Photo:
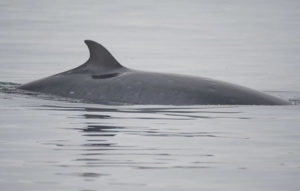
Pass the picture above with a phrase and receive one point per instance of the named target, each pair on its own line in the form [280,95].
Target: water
[49,143]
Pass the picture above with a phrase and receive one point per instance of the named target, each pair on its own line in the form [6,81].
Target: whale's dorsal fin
[100,62]
[100,59]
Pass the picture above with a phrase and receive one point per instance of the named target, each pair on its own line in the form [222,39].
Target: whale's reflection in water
[141,138]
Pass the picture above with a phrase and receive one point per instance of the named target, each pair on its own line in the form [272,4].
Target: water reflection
[84,174]
[139,138]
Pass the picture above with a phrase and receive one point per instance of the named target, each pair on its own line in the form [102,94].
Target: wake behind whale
[103,80]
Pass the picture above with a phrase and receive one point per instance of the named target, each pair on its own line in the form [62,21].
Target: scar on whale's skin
[102,79]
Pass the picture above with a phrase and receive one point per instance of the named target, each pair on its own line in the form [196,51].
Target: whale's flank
[101,79]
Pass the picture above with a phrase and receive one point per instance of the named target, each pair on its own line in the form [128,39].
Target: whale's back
[103,80]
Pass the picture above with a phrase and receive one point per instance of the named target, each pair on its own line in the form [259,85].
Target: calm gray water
[48,143]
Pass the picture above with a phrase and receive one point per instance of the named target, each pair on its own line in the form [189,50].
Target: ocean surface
[50,143]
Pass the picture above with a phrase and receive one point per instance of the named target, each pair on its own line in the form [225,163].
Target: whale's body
[103,80]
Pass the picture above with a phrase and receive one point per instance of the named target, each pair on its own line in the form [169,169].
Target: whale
[103,80]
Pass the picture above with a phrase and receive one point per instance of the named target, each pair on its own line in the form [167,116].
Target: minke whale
[102,79]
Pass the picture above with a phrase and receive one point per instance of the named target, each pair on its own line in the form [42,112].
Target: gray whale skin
[103,80]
